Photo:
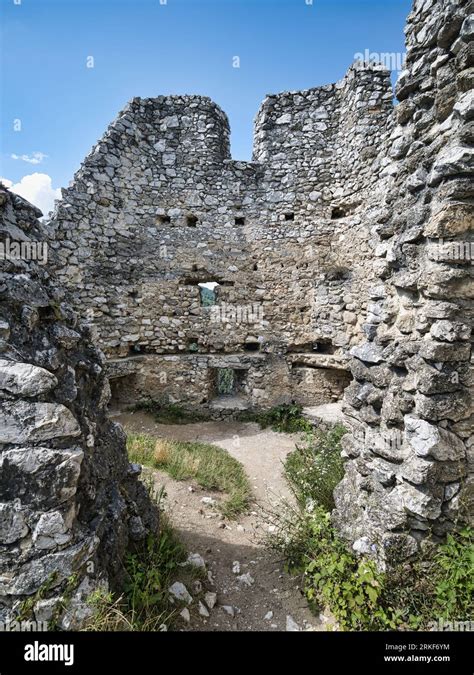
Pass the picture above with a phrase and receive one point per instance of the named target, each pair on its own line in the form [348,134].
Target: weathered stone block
[450,331]
[417,502]
[450,221]
[55,567]
[440,407]
[23,422]
[25,379]
[429,440]
[13,525]
[449,353]
[40,477]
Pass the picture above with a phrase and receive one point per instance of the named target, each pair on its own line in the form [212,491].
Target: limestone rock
[179,592]
[24,422]
[12,522]
[65,490]
[429,440]
[210,599]
[25,379]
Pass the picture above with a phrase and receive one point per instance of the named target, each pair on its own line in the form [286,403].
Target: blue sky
[153,47]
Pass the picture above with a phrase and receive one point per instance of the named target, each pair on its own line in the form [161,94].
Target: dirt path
[268,599]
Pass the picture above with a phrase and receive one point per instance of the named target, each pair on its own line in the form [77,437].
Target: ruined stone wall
[158,206]
[411,461]
[70,502]
[336,240]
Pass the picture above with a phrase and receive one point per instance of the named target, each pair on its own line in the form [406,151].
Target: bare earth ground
[273,601]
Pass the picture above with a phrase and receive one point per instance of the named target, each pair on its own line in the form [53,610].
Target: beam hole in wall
[164,220]
[239,220]
[191,221]
[208,293]
[47,313]
[289,216]
[300,348]
[338,274]
[252,346]
[324,347]
[320,346]
[338,212]
[138,349]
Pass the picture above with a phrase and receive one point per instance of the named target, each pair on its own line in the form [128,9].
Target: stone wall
[159,206]
[411,461]
[70,502]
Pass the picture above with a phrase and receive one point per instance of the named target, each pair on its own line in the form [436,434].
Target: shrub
[150,573]
[284,418]
[316,467]
[455,579]
[437,584]
[351,587]
[168,413]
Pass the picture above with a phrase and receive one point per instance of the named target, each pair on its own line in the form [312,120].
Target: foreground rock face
[411,456]
[67,491]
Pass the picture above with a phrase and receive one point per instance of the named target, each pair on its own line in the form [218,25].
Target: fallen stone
[195,560]
[246,579]
[291,625]
[210,599]
[197,586]
[209,501]
[179,592]
[185,614]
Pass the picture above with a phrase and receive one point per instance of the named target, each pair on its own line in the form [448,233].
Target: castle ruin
[334,267]
[159,207]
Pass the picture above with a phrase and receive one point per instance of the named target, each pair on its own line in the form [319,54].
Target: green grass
[283,418]
[211,467]
[145,603]
[168,413]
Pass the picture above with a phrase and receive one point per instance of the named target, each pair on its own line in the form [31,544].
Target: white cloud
[35,158]
[37,188]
